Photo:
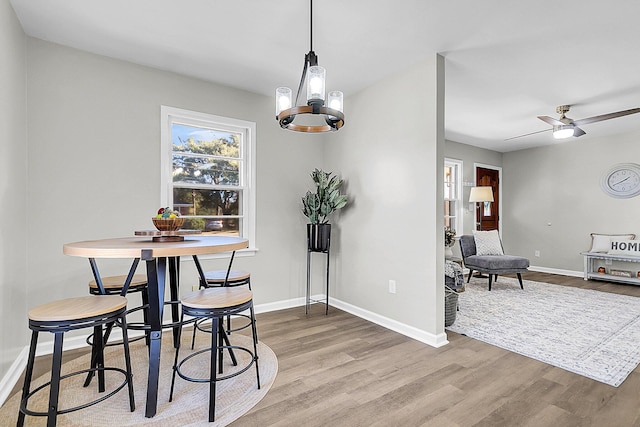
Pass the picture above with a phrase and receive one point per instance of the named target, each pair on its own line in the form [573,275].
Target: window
[208,172]
[453,194]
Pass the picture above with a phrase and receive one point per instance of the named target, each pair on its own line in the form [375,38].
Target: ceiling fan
[565,127]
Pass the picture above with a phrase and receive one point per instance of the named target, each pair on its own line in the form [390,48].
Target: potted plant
[449,241]
[319,206]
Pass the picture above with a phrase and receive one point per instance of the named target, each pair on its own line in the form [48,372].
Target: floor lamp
[480,195]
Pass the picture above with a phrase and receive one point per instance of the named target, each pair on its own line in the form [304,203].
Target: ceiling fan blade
[526,134]
[605,117]
[577,131]
[551,121]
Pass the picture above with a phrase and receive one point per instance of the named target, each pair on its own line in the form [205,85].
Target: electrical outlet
[537,253]
[392,286]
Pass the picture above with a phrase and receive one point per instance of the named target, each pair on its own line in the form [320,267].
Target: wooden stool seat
[218,277]
[217,297]
[77,308]
[117,282]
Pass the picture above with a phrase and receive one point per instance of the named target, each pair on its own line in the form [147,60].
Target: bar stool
[66,315]
[114,285]
[214,304]
[222,278]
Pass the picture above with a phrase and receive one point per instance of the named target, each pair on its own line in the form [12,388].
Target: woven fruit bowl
[168,224]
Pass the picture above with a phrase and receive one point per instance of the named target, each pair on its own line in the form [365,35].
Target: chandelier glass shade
[317,115]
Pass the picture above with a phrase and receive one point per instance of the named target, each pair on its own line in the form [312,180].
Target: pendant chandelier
[315,116]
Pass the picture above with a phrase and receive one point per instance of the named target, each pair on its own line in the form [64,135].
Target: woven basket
[168,224]
[450,306]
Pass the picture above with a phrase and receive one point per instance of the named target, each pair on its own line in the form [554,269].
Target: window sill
[248,252]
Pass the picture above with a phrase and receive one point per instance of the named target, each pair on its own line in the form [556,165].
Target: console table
[590,267]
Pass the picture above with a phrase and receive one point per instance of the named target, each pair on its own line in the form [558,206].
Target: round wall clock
[622,181]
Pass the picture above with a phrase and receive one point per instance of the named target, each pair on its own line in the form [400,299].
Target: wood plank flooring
[340,370]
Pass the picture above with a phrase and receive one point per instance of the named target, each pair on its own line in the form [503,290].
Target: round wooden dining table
[157,255]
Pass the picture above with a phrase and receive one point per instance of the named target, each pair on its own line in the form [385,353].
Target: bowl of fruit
[167,220]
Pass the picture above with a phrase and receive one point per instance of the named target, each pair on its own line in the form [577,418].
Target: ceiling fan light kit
[315,116]
[562,131]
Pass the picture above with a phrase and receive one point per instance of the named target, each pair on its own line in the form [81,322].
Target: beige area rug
[587,332]
[190,404]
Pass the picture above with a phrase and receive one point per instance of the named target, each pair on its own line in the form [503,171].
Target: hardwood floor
[340,370]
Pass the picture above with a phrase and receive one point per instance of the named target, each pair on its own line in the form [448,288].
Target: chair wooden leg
[490,279]
[469,276]
[520,280]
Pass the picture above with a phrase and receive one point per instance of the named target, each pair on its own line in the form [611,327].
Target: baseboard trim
[557,271]
[13,375]
[438,340]
[280,305]
[404,329]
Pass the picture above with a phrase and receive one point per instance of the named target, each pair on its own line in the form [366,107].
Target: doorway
[488,213]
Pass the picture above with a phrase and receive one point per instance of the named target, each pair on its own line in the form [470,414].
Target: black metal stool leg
[127,361]
[99,363]
[175,361]
[225,338]
[27,377]
[54,390]
[254,332]
[213,377]
[145,314]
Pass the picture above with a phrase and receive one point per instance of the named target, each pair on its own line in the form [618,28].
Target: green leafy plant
[327,199]
[449,236]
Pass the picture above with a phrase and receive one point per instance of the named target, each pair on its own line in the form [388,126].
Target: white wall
[390,154]
[93,155]
[553,200]
[94,152]
[13,186]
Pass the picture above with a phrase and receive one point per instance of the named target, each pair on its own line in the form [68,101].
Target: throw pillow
[625,247]
[488,242]
[602,242]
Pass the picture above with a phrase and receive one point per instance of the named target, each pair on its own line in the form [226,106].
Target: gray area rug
[190,404]
[591,333]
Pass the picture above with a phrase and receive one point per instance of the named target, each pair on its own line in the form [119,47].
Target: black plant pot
[318,237]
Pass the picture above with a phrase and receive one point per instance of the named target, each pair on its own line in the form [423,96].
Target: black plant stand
[314,235]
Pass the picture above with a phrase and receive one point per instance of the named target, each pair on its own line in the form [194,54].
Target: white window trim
[249,170]
[459,208]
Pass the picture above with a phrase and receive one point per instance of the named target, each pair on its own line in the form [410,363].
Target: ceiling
[506,62]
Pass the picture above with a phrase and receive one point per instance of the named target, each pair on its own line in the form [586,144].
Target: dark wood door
[487,213]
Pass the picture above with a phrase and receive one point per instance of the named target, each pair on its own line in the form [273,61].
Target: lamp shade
[283,99]
[315,84]
[335,100]
[481,194]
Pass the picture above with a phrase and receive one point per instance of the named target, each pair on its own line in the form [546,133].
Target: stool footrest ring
[27,411]
[254,358]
